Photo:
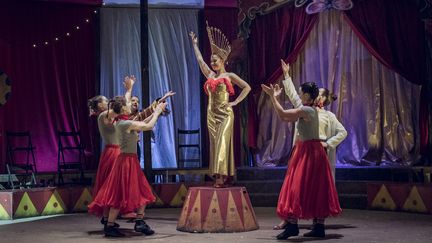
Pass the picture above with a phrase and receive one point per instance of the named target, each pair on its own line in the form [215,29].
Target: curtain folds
[394,34]
[172,67]
[279,35]
[378,107]
[52,81]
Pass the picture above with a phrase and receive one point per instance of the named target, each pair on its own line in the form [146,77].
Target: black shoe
[290,230]
[317,231]
[104,222]
[141,226]
[111,231]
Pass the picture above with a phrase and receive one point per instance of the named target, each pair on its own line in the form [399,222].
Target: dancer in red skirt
[98,106]
[308,191]
[126,189]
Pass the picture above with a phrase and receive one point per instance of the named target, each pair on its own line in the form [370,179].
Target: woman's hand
[324,144]
[277,90]
[268,90]
[272,91]
[166,96]
[285,69]
[193,38]
[160,108]
[129,82]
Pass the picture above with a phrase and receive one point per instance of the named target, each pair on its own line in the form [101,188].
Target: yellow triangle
[159,201]
[182,220]
[179,198]
[233,222]
[83,201]
[55,205]
[213,221]
[193,220]
[415,202]
[249,218]
[3,213]
[383,199]
[25,208]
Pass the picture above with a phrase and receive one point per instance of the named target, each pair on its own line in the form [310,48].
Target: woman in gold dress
[220,115]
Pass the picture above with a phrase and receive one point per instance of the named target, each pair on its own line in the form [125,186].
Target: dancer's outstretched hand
[129,81]
[166,96]
[285,69]
[160,108]
[271,90]
[277,90]
[193,37]
[267,89]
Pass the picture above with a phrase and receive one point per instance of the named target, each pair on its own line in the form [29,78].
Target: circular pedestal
[217,210]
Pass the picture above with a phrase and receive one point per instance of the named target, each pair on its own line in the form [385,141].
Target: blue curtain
[172,67]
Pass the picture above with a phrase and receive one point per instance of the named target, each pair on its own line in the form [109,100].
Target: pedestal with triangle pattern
[217,210]
[30,202]
[409,197]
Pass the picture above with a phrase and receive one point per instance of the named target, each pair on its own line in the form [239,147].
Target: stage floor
[352,226]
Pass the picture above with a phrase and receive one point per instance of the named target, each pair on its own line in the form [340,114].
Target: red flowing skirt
[106,162]
[308,190]
[126,187]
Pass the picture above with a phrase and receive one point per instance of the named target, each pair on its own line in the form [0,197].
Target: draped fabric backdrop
[275,36]
[378,107]
[172,67]
[50,83]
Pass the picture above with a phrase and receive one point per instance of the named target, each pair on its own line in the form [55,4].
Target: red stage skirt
[126,187]
[308,190]
[106,162]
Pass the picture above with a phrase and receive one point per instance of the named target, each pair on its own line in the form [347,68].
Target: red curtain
[275,36]
[50,82]
[220,3]
[394,33]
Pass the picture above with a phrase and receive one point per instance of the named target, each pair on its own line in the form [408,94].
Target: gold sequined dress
[220,123]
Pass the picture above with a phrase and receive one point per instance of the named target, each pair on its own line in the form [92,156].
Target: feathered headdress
[218,42]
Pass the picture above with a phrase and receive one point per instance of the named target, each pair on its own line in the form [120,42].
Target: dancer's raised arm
[128,83]
[289,87]
[289,115]
[207,72]
[147,126]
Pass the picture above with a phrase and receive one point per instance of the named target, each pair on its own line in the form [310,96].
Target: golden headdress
[218,42]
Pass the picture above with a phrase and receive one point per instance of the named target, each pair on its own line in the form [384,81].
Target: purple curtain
[275,36]
[393,32]
[50,82]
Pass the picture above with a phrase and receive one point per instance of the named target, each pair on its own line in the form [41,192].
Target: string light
[77,27]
